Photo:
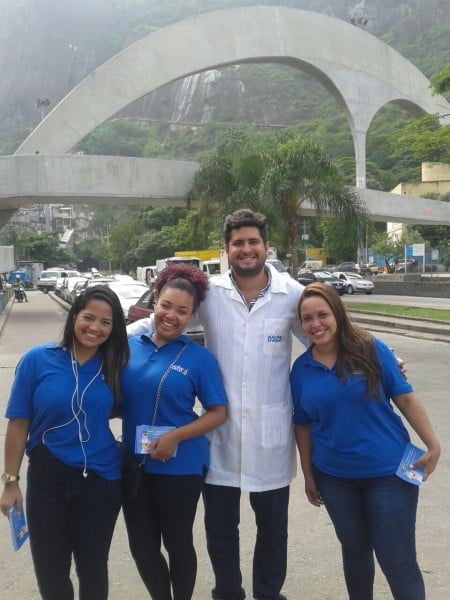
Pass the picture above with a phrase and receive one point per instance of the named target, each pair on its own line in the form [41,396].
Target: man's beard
[249,271]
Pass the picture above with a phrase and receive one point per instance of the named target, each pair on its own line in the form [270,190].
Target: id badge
[148,433]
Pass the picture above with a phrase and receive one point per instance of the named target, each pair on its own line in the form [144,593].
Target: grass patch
[401,311]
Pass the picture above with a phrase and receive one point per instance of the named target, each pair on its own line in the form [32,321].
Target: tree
[440,82]
[425,138]
[37,246]
[392,251]
[299,172]
[275,176]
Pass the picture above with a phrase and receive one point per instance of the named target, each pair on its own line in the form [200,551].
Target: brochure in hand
[18,525]
[405,469]
[148,433]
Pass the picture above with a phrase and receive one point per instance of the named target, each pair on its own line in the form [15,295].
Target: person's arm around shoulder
[140,327]
[15,441]
[414,412]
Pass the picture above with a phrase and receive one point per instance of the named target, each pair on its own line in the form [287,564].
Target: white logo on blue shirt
[180,369]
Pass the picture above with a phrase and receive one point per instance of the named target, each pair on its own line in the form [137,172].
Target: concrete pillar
[359,140]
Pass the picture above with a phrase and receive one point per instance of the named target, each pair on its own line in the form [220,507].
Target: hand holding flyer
[18,525]
[148,433]
[406,470]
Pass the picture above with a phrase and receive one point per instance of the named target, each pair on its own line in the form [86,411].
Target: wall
[414,286]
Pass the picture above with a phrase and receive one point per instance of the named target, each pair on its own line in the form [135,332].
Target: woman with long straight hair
[351,441]
[62,398]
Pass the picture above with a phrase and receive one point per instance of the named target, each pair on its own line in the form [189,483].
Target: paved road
[314,569]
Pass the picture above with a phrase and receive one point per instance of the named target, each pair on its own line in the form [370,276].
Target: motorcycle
[19,294]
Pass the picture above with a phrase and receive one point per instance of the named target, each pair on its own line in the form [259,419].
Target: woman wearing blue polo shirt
[351,442]
[61,401]
[165,375]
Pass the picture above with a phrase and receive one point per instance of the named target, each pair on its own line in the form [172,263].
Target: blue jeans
[222,516]
[378,515]
[70,514]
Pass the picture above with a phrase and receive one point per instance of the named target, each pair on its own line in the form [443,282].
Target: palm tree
[275,176]
[300,171]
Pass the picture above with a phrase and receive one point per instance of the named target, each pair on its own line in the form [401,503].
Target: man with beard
[248,317]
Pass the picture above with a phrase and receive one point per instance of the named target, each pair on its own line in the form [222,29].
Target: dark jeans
[378,515]
[222,516]
[70,514]
[165,510]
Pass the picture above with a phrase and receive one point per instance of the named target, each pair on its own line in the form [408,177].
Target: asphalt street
[314,565]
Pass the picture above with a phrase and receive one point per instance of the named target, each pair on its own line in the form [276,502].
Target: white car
[68,285]
[354,283]
[128,292]
[279,267]
[59,284]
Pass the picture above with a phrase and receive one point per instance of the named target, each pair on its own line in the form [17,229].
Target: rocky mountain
[47,47]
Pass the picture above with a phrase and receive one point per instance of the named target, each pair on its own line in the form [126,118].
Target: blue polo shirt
[353,435]
[195,374]
[43,392]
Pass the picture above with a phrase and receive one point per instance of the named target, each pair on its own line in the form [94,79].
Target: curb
[412,330]
[4,315]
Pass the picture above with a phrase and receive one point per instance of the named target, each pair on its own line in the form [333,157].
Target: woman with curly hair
[165,375]
[351,442]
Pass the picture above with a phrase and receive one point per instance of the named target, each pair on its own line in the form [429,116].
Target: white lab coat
[254,449]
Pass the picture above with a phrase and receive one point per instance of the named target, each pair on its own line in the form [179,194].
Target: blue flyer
[18,525]
[405,469]
[146,434]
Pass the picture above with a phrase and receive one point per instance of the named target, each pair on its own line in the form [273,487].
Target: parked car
[279,267]
[411,266]
[347,267]
[323,277]
[47,279]
[67,286]
[96,281]
[372,269]
[144,307]
[127,292]
[354,283]
[60,282]
[352,267]
[78,287]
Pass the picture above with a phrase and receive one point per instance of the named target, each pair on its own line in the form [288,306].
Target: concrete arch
[362,72]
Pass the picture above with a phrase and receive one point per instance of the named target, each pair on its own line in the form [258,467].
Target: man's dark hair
[244,217]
